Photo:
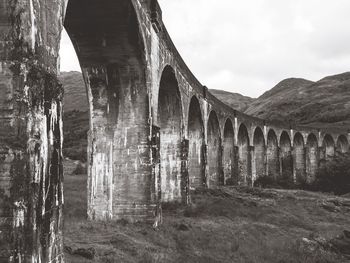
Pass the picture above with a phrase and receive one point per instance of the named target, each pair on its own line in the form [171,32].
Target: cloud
[249,46]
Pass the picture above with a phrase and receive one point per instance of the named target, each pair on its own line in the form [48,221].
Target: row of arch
[221,159]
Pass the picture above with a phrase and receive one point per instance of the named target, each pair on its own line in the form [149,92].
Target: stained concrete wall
[153,134]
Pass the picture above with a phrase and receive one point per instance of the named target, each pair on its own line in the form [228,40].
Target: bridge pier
[31,172]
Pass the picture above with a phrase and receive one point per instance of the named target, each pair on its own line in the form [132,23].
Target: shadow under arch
[342,144]
[327,152]
[299,158]
[170,123]
[196,151]
[244,158]
[272,155]
[107,38]
[311,158]
[228,151]
[259,155]
[286,158]
[214,151]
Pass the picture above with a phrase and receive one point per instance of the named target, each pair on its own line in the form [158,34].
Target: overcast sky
[248,46]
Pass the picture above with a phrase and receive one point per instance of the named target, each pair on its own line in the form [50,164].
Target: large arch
[299,159]
[169,119]
[311,158]
[327,151]
[272,166]
[214,151]
[228,150]
[286,156]
[342,144]
[196,164]
[109,44]
[244,163]
[259,155]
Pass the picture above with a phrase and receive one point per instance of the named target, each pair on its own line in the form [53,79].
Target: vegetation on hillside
[321,104]
[234,100]
[228,225]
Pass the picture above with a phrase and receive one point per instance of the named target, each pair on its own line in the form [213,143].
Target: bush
[80,169]
[334,176]
[284,182]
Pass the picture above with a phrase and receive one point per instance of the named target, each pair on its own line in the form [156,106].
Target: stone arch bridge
[155,130]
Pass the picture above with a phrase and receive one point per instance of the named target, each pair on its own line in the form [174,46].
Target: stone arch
[228,150]
[272,155]
[259,154]
[299,158]
[214,151]
[328,148]
[196,165]
[170,123]
[244,163]
[286,158]
[311,158]
[342,144]
[108,40]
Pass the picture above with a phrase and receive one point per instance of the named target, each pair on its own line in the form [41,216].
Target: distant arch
[299,159]
[244,164]
[214,151]
[272,156]
[259,160]
[328,148]
[342,144]
[169,119]
[228,150]
[196,145]
[286,158]
[311,158]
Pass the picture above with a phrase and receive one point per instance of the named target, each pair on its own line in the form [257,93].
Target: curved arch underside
[214,152]
[299,159]
[272,155]
[169,111]
[196,165]
[106,36]
[286,157]
[342,144]
[328,149]
[228,151]
[311,158]
[259,155]
[244,157]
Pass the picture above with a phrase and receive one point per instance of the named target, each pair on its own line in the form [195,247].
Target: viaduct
[155,132]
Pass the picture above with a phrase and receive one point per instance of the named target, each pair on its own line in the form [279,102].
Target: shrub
[334,176]
[284,182]
[80,169]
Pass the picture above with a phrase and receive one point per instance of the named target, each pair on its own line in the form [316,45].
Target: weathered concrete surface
[156,133]
[31,193]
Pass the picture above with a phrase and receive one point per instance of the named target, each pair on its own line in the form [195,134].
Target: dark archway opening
[196,164]
[259,156]
[214,152]
[169,112]
[328,149]
[244,159]
[273,167]
[228,151]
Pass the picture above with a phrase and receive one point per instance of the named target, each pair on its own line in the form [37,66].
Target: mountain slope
[234,100]
[322,103]
[74,88]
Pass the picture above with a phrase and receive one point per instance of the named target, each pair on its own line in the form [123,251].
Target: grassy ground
[228,225]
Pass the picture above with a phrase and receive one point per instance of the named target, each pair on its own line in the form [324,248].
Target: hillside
[231,224]
[322,103]
[234,100]
[75,94]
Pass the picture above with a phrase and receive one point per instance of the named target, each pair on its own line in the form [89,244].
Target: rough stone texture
[155,131]
[30,132]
